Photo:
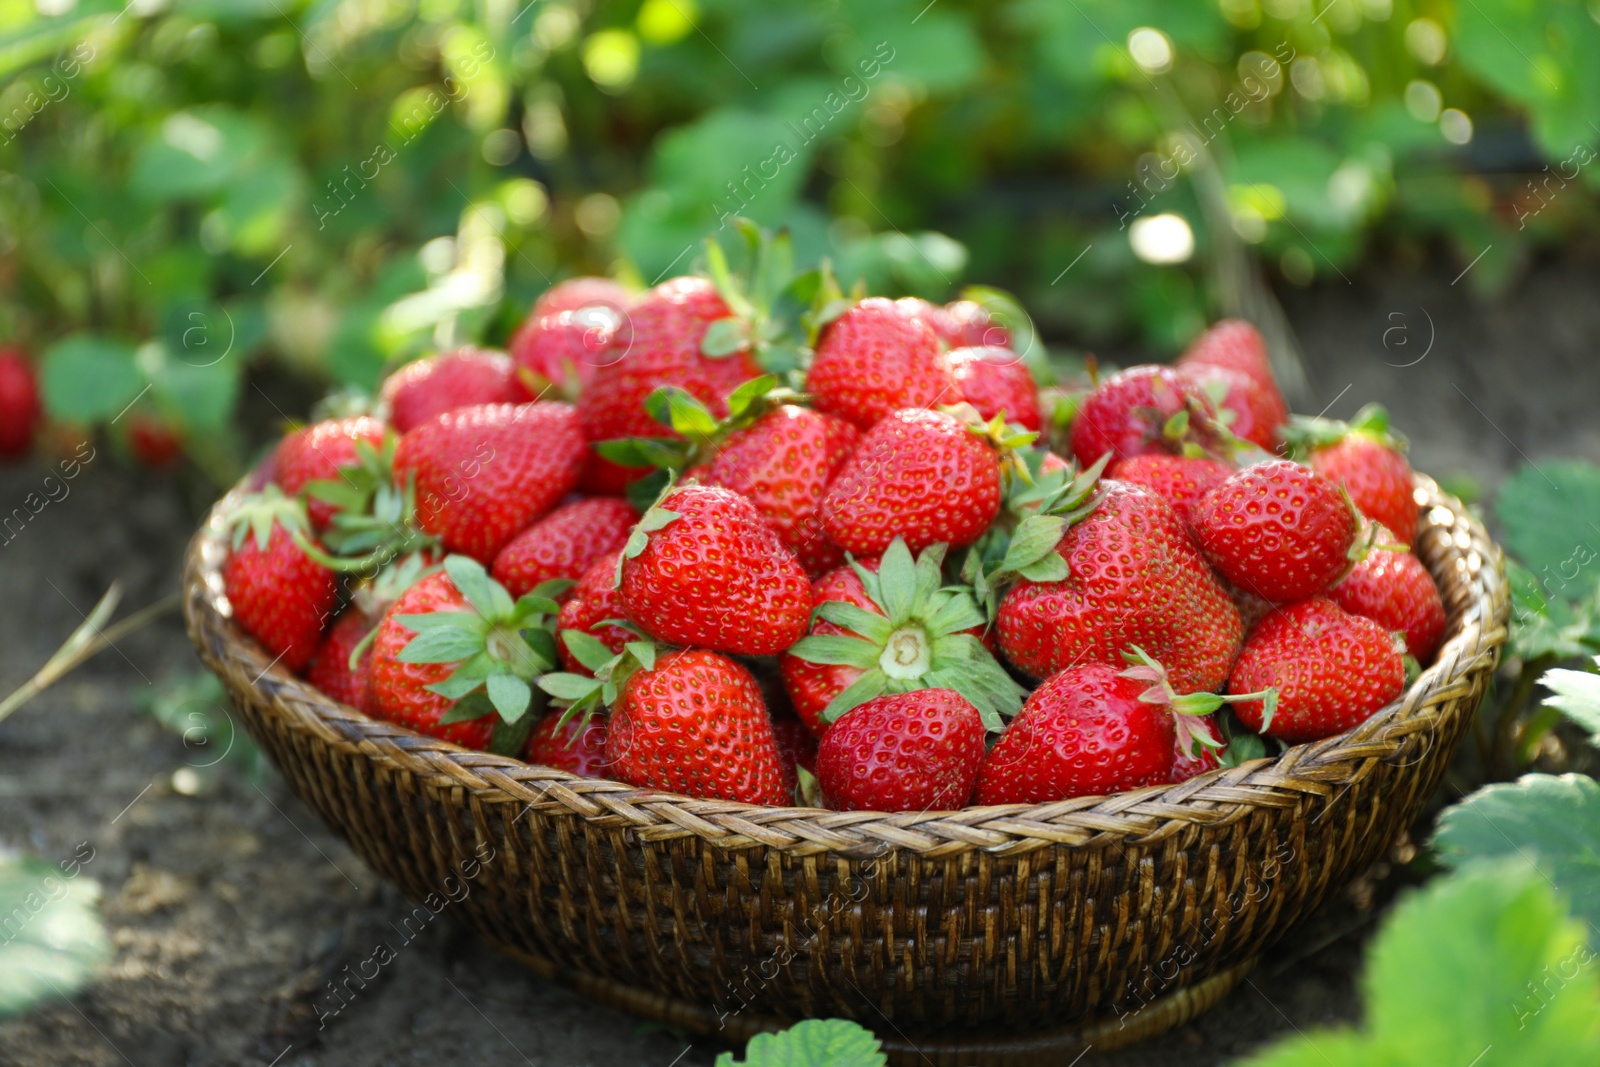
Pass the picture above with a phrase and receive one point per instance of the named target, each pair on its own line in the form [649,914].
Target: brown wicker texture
[987,935]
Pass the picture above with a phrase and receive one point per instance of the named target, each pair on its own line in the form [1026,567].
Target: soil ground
[231,908]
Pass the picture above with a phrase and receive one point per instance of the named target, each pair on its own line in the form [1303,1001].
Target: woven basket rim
[1476,597]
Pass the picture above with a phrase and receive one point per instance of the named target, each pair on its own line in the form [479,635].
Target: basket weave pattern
[999,920]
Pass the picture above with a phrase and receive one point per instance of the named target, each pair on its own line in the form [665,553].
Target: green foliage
[1548,513]
[812,1043]
[1548,820]
[342,185]
[195,707]
[52,941]
[1481,968]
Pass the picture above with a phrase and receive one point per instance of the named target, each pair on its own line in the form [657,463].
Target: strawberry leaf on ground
[1576,694]
[1550,821]
[1547,513]
[1481,968]
[1551,625]
[54,940]
[812,1043]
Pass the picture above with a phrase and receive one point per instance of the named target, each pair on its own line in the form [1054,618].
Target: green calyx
[257,513]
[501,647]
[584,696]
[699,433]
[919,641]
[376,521]
[1040,512]
[1187,706]
[1305,434]
[768,300]
[655,518]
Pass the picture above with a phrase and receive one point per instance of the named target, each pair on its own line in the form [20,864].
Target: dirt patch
[232,910]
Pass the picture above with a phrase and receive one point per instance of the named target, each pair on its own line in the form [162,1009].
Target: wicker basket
[989,935]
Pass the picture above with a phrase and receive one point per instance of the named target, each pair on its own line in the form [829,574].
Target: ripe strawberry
[580,292]
[323,452]
[918,474]
[576,746]
[1181,480]
[1331,670]
[280,595]
[1250,411]
[797,747]
[936,318]
[154,443]
[915,751]
[593,601]
[658,343]
[1083,732]
[484,473]
[873,360]
[20,410]
[995,380]
[892,625]
[564,543]
[1235,345]
[1277,529]
[330,670]
[782,464]
[459,378]
[1191,757]
[1133,578]
[974,326]
[564,351]
[1394,589]
[693,722]
[1140,410]
[703,568]
[454,657]
[1367,459]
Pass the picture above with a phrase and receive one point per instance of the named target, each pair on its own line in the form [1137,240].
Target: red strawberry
[658,343]
[974,326]
[1277,529]
[594,600]
[873,360]
[484,473]
[694,723]
[577,746]
[1331,670]
[1192,758]
[995,380]
[564,351]
[330,670]
[1251,411]
[454,656]
[703,568]
[892,625]
[1181,480]
[1394,589]
[20,410]
[323,451]
[154,443]
[1236,345]
[797,747]
[565,543]
[1137,410]
[460,378]
[581,292]
[782,464]
[915,751]
[1376,475]
[933,316]
[918,474]
[1133,578]
[280,595]
[1083,732]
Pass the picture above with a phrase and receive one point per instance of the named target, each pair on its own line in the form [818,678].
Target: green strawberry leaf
[1481,968]
[897,582]
[724,337]
[868,624]
[474,705]
[425,622]
[442,645]
[1547,512]
[644,652]
[569,687]
[1576,694]
[473,582]
[807,790]
[812,1043]
[682,411]
[1035,539]
[872,683]
[55,941]
[1047,568]
[838,650]
[742,398]
[509,738]
[510,695]
[1552,822]
[663,452]
[586,648]
[953,614]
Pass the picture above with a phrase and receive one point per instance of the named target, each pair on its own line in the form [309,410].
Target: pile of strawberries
[758,541]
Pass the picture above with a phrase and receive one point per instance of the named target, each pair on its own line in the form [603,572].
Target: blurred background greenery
[189,188]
